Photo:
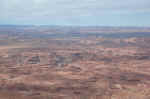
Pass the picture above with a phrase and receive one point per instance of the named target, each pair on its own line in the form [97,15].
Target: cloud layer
[73,11]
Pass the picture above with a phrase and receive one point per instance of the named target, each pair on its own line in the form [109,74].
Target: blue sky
[76,12]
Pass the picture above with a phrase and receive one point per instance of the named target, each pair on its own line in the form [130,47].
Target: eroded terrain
[74,67]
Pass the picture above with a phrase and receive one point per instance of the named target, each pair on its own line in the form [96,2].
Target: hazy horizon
[100,26]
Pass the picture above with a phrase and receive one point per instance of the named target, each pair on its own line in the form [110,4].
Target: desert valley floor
[74,63]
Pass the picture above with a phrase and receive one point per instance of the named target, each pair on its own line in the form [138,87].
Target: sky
[76,12]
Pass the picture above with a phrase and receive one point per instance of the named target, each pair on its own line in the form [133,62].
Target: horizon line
[74,25]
